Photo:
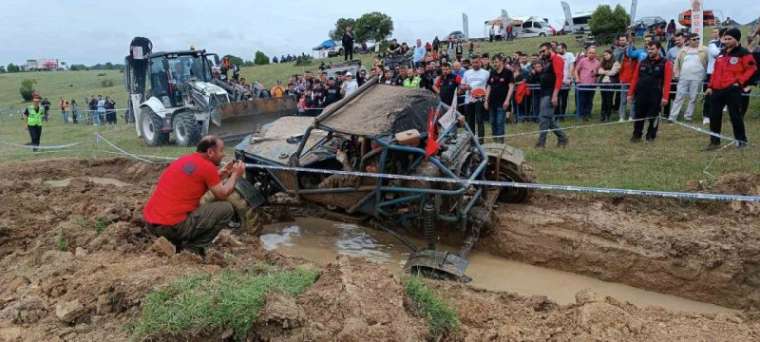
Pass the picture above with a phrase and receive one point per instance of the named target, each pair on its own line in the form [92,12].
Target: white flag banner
[634,4]
[465,26]
[697,19]
[450,117]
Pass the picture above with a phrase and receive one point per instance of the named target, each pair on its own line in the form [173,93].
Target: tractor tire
[187,131]
[508,172]
[150,128]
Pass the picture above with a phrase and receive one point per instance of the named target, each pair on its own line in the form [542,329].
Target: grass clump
[204,302]
[440,316]
[61,242]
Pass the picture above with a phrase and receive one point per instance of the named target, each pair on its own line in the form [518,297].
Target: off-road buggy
[384,129]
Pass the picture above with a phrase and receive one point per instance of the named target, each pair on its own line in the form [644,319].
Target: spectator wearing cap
[689,69]
[349,85]
[734,68]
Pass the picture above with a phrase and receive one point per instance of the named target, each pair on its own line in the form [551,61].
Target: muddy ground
[76,264]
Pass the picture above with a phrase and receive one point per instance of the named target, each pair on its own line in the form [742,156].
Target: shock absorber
[428,221]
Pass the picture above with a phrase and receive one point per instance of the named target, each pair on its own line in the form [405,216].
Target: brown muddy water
[321,241]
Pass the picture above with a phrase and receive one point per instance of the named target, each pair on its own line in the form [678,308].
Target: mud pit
[321,241]
[77,264]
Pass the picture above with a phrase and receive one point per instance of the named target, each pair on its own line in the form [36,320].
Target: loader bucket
[438,265]
[235,120]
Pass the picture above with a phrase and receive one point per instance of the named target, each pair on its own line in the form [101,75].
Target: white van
[534,27]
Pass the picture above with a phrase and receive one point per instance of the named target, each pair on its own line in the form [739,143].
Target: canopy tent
[326,45]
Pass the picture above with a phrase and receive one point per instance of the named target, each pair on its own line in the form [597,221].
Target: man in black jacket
[348,44]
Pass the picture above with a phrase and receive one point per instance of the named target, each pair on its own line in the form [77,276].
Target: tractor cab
[170,73]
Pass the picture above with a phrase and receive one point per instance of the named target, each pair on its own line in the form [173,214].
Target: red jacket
[627,69]
[736,66]
[522,92]
[558,64]
[667,78]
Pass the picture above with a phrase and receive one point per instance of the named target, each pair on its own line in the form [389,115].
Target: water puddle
[321,241]
[62,183]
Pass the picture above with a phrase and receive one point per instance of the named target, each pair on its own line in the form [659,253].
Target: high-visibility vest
[412,82]
[35,116]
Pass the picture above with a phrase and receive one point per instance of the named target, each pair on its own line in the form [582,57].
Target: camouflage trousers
[250,220]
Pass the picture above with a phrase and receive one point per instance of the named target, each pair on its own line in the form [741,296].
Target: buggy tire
[187,131]
[150,128]
[509,172]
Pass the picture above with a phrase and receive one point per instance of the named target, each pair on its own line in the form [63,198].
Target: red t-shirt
[180,189]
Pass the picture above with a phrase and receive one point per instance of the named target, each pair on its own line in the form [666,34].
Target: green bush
[605,23]
[204,302]
[27,89]
[441,318]
[303,60]
[260,58]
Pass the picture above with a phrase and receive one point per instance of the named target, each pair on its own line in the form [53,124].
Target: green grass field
[597,156]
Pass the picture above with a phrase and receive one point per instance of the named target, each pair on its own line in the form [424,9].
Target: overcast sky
[89,31]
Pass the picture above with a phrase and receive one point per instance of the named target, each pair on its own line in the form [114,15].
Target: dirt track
[664,246]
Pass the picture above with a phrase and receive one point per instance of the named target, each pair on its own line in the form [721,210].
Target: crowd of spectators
[493,87]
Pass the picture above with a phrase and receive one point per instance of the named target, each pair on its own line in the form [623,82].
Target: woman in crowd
[608,74]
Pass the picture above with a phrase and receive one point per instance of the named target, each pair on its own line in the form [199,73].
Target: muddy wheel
[150,128]
[187,131]
[508,172]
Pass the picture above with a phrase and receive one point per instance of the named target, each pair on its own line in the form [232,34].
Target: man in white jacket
[690,68]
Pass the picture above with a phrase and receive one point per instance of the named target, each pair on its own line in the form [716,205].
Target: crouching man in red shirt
[174,210]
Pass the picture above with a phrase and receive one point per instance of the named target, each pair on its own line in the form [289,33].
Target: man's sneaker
[711,147]
[741,145]
[706,121]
